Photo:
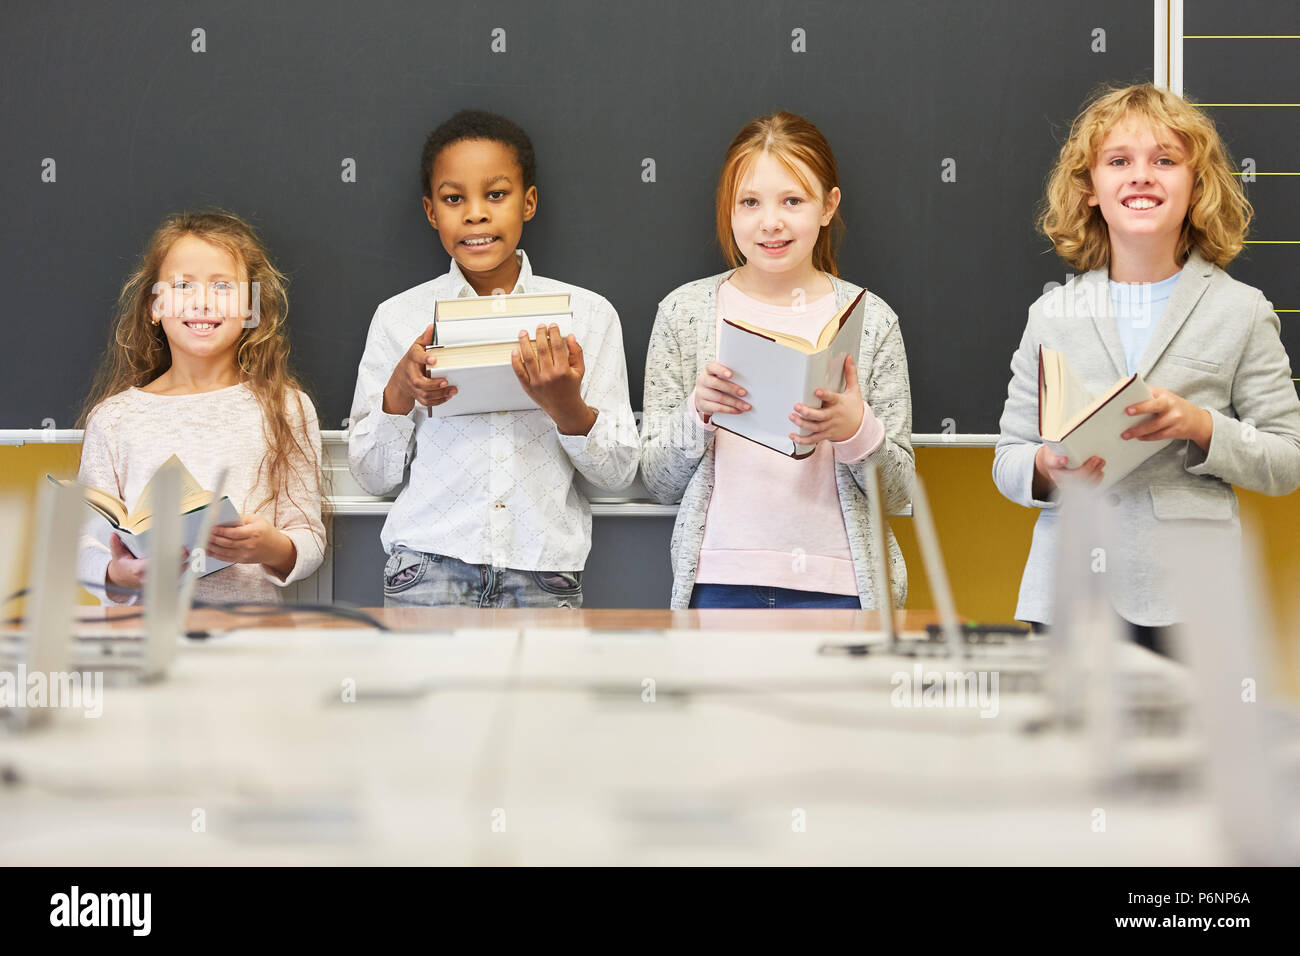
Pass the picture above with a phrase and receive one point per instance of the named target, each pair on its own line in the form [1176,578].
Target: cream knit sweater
[131,434]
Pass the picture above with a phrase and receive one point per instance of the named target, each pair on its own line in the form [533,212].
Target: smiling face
[479,208]
[776,220]
[1142,183]
[201,301]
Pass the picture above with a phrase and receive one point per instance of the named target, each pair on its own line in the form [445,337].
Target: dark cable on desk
[269,609]
[933,644]
[240,608]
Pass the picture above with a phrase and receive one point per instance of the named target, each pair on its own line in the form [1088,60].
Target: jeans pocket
[404,570]
[558,582]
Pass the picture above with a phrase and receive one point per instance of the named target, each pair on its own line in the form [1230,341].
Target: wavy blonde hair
[138,351]
[1218,216]
[789,138]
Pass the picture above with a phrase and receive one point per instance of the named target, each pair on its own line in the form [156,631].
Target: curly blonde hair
[138,351]
[1218,216]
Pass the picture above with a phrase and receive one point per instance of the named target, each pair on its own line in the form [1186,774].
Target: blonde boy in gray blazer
[1214,359]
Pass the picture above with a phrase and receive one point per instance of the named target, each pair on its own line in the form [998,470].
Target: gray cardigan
[677,453]
[1217,345]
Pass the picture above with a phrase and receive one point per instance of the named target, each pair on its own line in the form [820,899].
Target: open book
[472,340]
[1075,424]
[779,371]
[132,524]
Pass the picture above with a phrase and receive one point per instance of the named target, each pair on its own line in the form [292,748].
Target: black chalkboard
[139,125]
[1242,59]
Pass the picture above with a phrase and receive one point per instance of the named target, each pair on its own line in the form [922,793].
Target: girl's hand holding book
[714,392]
[256,541]
[840,416]
[125,570]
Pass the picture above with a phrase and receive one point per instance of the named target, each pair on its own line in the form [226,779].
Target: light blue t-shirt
[1138,307]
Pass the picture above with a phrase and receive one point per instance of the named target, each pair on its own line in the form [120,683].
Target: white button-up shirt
[496,488]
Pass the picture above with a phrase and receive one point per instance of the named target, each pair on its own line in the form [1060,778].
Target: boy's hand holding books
[410,383]
[1172,418]
[1050,470]
[1075,426]
[840,416]
[1175,417]
[551,375]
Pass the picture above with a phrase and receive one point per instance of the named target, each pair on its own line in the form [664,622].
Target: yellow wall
[985,541]
[22,467]
[985,538]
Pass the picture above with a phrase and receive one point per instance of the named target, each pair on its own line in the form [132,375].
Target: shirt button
[1113,500]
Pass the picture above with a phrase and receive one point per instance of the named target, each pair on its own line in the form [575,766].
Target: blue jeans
[416,579]
[753,595]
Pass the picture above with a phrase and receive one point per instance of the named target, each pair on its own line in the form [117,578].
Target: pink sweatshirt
[772,520]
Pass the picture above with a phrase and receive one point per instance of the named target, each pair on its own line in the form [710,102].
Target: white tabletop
[574,746]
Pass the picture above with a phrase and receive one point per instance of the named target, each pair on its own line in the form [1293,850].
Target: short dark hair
[477,124]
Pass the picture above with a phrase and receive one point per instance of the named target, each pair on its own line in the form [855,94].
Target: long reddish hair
[788,138]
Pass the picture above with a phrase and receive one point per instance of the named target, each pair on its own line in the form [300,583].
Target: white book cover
[479,306]
[496,328]
[489,386]
[778,376]
[1073,429]
[483,388]
[138,543]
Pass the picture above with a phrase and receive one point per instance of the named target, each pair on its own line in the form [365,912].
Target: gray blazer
[677,453]
[1217,345]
